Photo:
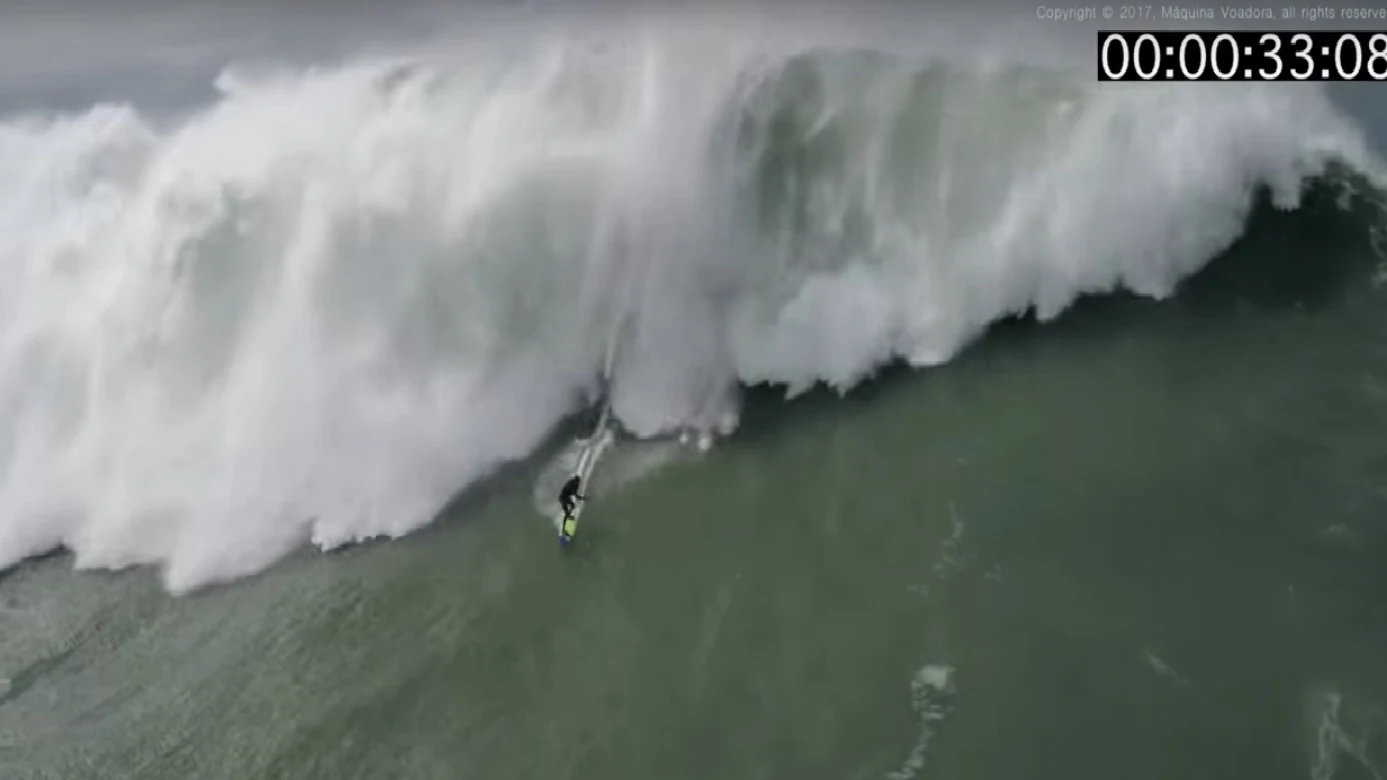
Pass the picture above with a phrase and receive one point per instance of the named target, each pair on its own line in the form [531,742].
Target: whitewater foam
[1337,737]
[319,307]
[931,693]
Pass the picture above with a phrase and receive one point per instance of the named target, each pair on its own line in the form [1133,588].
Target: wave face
[318,307]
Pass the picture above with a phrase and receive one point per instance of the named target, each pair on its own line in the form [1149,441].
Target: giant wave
[317,308]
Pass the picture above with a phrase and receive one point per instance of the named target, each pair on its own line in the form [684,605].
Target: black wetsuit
[569,496]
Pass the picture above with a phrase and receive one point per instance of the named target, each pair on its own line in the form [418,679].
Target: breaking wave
[318,307]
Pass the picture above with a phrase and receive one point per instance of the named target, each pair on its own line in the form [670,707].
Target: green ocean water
[1141,541]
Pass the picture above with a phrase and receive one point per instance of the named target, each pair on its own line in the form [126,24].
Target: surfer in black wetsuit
[569,495]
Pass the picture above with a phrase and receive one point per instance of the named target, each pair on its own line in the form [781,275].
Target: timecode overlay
[1242,55]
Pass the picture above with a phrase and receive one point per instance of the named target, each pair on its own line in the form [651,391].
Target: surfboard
[588,456]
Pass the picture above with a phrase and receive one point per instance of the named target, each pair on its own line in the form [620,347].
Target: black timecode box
[1224,55]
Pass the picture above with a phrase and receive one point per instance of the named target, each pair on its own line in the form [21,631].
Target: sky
[65,55]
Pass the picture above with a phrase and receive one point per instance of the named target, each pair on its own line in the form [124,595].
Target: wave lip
[319,307]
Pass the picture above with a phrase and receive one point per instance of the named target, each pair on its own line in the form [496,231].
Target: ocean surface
[977,420]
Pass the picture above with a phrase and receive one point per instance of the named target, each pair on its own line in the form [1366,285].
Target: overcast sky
[64,54]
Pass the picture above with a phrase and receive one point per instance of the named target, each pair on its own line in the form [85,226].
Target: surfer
[568,499]
[569,495]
